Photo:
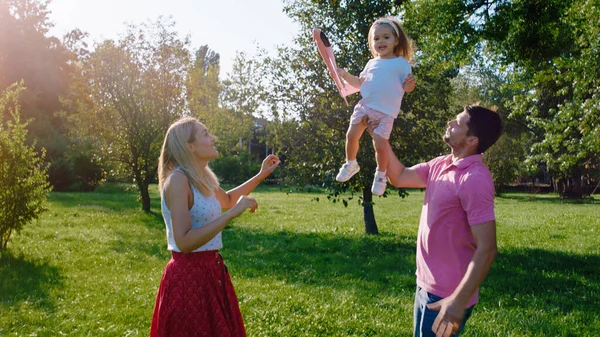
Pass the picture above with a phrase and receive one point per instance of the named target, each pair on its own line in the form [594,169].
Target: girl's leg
[379,181]
[381,146]
[351,167]
[353,135]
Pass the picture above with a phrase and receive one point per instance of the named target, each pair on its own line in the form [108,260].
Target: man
[456,243]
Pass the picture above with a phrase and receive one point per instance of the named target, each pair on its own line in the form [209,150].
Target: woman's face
[203,142]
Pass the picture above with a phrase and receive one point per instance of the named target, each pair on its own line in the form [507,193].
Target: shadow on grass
[528,197]
[552,281]
[550,198]
[128,240]
[30,281]
[384,262]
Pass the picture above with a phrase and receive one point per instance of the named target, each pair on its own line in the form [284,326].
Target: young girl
[196,296]
[382,84]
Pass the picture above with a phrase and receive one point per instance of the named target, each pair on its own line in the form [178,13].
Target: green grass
[92,264]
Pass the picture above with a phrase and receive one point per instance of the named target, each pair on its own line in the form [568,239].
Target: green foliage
[228,109]
[235,169]
[564,107]
[23,175]
[46,66]
[78,169]
[546,55]
[127,94]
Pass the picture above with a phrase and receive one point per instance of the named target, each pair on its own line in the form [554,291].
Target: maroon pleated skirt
[196,299]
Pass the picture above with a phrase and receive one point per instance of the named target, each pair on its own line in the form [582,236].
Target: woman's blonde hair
[175,154]
[405,47]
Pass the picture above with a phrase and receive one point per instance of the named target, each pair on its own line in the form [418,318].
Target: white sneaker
[347,171]
[379,184]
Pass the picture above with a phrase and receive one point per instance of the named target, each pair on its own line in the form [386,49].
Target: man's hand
[370,124]
[449,318]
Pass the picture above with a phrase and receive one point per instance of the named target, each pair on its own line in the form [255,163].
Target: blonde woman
[196,296]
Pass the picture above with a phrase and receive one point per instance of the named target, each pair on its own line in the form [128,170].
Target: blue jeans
[424,317]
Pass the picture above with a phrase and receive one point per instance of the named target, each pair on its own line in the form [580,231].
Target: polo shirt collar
[464,162]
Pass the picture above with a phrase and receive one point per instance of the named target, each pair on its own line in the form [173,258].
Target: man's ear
[472,141]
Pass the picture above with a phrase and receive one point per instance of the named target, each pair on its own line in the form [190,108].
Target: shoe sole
[352,175]
[376,193]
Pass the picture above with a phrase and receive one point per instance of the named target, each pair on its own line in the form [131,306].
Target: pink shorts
[386,122]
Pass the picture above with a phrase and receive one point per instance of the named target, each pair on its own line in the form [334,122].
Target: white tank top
[205,210]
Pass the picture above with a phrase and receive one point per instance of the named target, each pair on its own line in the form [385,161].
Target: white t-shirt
[382,86]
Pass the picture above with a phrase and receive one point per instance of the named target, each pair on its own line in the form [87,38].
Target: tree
[23,174]
[242,99]
[203,87]
[45,65]
[547,51]
[128,94]
[226,108]
[565,105]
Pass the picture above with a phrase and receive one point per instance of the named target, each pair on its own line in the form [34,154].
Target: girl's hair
[405,47]
[174,154]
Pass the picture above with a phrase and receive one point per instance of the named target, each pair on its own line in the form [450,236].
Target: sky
[226,26]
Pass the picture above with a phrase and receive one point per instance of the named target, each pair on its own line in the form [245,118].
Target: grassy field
[92,264]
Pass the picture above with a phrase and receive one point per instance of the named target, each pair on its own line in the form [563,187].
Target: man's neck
[458,154]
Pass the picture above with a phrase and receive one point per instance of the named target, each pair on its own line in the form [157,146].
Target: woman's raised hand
[269,164]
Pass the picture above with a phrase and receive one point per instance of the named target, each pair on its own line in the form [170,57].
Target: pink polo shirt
[458,195]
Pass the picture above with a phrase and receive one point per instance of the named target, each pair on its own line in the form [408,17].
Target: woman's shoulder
[177,180]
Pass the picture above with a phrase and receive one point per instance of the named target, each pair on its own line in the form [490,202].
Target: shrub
[235,169]
[23,177]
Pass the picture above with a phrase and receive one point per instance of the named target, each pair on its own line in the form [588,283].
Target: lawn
[92,263]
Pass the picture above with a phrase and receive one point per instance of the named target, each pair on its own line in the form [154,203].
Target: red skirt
[196,299]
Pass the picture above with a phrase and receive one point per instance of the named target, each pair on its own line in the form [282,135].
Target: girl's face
[384,41]
[203,145]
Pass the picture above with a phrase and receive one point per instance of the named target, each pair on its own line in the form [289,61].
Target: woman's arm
[177,196]
[230,198]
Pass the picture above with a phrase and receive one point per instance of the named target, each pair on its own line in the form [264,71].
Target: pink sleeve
[422,170]
[476,194]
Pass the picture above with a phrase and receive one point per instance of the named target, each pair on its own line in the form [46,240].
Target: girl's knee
[354,132]
[380,143]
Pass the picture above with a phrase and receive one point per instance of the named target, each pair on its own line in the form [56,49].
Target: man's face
[456,133]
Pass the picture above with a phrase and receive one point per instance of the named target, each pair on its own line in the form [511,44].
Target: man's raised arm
[401,176]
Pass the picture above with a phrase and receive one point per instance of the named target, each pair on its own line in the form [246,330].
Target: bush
[23,176]
[77,168]
[503,160]
[235,169]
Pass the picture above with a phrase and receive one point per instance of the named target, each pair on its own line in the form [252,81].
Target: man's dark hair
[484,124]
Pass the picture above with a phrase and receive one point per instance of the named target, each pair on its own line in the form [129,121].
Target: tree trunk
[369,215]
[145,197]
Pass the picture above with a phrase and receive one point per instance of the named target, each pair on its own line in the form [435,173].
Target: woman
[196,296]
